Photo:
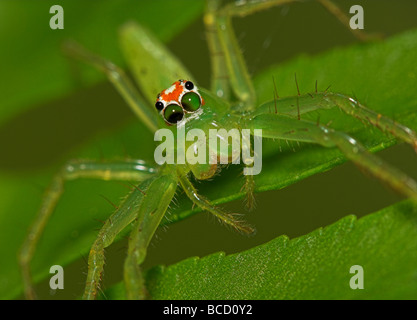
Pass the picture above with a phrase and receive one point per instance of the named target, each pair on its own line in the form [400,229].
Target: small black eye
[189,85]
[159,105]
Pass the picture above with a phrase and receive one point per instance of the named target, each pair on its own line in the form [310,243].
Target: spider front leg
[204,204]
[297,106]
[133,170]
[158,196]
[125,214]
[286,127]
[146,204]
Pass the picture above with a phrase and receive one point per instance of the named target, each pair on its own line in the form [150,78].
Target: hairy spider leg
[286,125]
[227,218]
[249,185]
[135,170]
[328,100]
[151,210]
[126,212]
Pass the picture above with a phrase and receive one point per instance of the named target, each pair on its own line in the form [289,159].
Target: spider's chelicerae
[230,104]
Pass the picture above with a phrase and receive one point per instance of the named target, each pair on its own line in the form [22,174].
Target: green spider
[231,103]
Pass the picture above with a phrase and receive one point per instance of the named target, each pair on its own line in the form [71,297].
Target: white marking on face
[170,89]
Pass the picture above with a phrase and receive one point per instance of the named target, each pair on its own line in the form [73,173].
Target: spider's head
[179,102]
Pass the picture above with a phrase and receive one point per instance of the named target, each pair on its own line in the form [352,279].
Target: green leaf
[314,266]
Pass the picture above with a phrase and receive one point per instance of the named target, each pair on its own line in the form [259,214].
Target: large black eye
[173,113]
[159,105]
[189,85]
[191,101]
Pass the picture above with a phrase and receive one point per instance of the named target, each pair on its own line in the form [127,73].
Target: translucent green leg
[153,65]
[226,54]
[289,128]
[125,214]
[249,186]
[357,110]
[220,83]
[120,81]
[227,218]
[158,196]
[129,170]
[327,100]
[229,55]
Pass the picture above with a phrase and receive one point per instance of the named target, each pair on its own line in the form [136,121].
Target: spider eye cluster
[181,98]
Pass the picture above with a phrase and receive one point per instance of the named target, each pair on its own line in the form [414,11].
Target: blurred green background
[37,138]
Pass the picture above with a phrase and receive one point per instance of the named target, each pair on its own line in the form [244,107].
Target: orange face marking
[173,93]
